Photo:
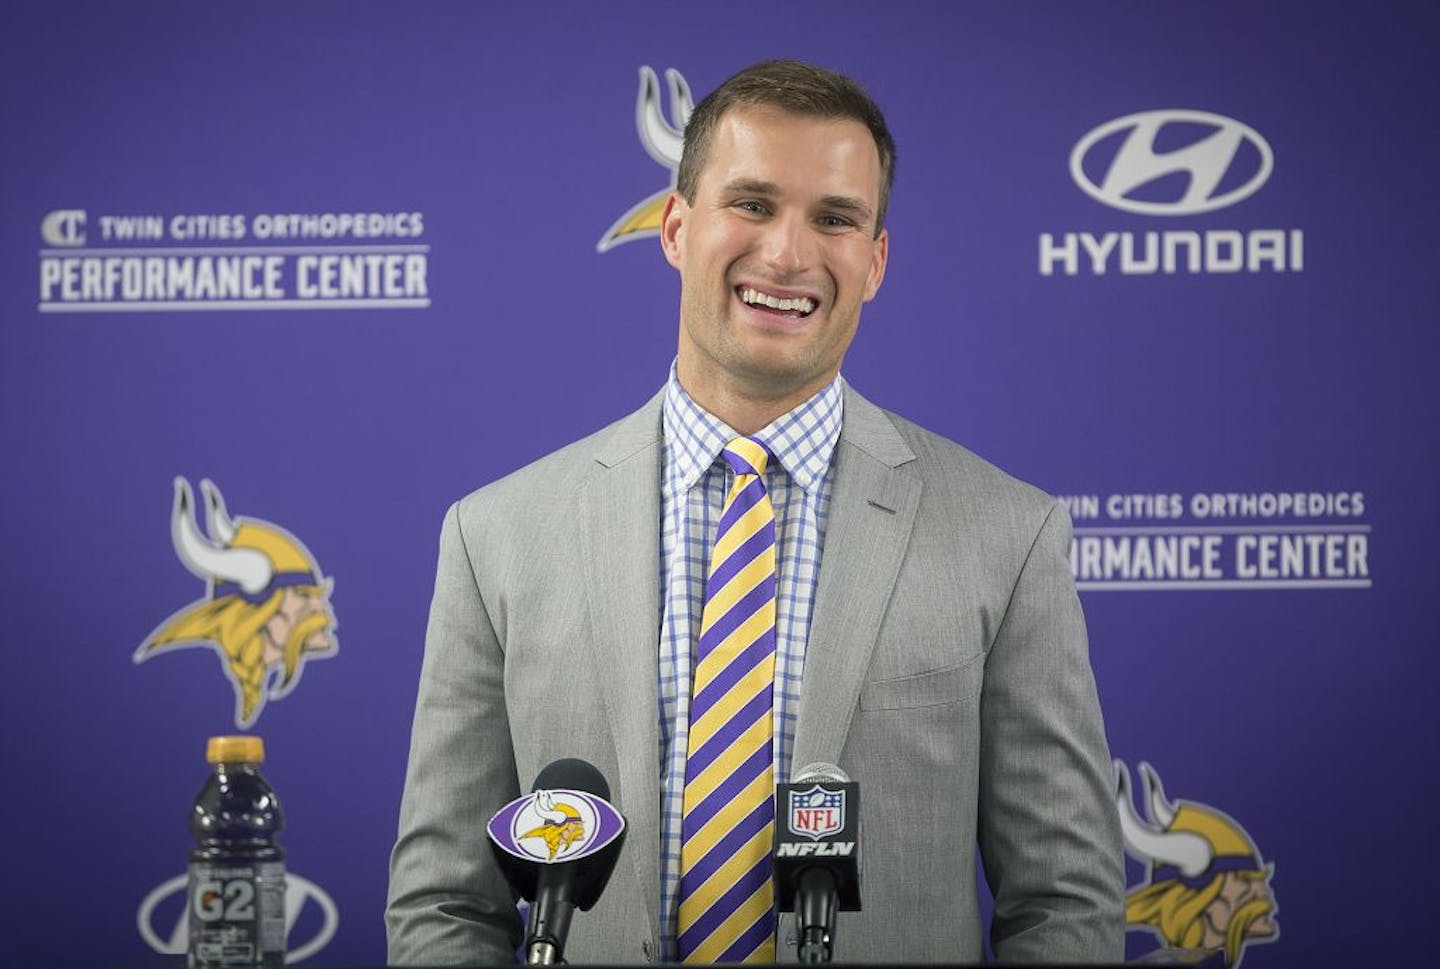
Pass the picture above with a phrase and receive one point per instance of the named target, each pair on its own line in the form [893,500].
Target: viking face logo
[555,826]
[266,608]
[1207,892]
[561,828]
[663,140]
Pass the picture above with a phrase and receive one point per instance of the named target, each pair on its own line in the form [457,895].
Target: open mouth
[790,307]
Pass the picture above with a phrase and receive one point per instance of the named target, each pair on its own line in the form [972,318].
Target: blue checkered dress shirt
[692,495]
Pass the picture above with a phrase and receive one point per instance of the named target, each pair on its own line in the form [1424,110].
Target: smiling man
[775,230]
[757,571]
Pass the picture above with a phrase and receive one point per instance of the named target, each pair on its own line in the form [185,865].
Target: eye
[836,222]
[753,206]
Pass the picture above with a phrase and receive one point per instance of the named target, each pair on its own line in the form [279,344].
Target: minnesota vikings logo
[561,828]
[554,827]
[266,608]
[664,141]
[1207,893]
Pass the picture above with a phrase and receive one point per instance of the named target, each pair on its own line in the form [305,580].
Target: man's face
[784,212]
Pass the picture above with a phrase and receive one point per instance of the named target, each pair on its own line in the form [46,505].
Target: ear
[672,228]
[879,255]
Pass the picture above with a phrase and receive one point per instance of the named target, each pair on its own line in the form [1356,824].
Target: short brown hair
[792,86]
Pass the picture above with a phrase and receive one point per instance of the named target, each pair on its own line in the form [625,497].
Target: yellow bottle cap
[235,750]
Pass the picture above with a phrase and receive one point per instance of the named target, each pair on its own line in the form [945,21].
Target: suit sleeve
[1048,827]
[448,903]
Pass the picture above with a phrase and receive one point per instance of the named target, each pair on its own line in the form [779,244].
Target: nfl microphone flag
[818,824]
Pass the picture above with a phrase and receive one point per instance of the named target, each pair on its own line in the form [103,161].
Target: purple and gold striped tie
[726,897]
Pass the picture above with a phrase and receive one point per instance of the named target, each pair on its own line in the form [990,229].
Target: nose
[789,248]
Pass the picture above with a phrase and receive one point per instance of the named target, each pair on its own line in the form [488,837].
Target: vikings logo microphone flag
[555,826]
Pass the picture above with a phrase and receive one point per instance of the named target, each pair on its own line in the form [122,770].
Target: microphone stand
[816,902]
[543,954]
[550,917]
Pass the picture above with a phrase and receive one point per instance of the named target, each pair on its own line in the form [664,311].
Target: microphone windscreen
[820,772]
[574,775]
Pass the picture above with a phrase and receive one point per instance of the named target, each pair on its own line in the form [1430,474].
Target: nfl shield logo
[816,813]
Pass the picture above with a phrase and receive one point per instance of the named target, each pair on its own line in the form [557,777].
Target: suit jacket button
[648,948]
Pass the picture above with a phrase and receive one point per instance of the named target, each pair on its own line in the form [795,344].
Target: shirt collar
[803,440]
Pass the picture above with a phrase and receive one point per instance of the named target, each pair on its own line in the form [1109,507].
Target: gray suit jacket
[946,672]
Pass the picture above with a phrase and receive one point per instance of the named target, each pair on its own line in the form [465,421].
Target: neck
[743,409]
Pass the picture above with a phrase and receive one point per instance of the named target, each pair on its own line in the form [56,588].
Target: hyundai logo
[1227,162]
[298,891]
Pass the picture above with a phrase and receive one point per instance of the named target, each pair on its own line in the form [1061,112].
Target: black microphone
[817,855]
[557,846]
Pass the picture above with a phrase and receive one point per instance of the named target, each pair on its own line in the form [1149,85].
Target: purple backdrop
[1287,692]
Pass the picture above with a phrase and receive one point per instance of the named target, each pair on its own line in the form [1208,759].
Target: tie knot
[745,455]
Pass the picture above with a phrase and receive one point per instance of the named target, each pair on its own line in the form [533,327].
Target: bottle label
[237,914]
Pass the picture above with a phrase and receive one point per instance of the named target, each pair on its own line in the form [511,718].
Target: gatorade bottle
[236,899]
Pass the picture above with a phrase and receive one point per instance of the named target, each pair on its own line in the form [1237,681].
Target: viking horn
[1185,850]
[681,104]
[1162,811]
[660,138]
[545,805]
[217,521]
[246,567]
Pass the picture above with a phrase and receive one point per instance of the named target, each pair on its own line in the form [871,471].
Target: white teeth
[800,304]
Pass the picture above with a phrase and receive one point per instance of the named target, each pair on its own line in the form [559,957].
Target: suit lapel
[873,501]
[621,545]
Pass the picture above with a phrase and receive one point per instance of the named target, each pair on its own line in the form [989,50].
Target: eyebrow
[847,204]
[755,186]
